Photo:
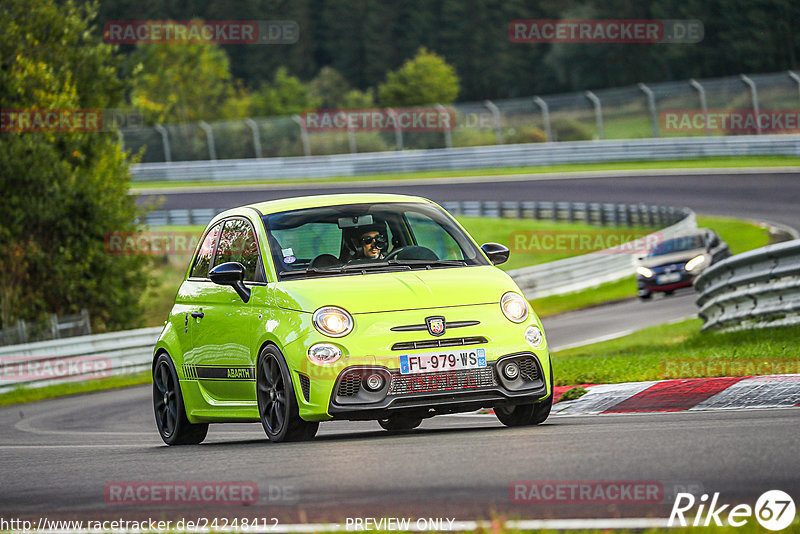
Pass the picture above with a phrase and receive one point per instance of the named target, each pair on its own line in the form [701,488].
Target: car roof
[313,201]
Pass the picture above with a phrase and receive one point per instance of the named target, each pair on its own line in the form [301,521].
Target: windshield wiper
[374,265]
[310,270]
[433,263]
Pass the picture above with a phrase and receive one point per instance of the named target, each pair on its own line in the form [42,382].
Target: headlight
[333,321]
[514,307]
[644,271]
[534,336]
[695,262]
[324,353]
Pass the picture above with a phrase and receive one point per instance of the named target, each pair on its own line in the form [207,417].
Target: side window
[203,260]
[238,243]
[429,234]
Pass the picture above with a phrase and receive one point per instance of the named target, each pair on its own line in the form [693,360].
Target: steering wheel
[393,254]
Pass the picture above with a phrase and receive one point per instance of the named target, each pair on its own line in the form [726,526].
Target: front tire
[527,414]
[173,425]
[277,403]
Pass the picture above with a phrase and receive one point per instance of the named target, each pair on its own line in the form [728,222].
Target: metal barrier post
[651,105]
[256,137]
[212,149]
[702,93]
[598,112]
[548,132]
[165,142]
[496,117]
[754,96]
[398,133]
[303,134]
[796,78]
[448,134]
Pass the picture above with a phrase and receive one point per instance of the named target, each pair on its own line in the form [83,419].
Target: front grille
[438,343]
[442,381]
[528,369]
[349,385]
[305,385]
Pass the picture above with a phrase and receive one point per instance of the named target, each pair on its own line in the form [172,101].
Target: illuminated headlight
[514,307]
[644,271]
[324,353]
[534,336]
[333,321]
[695,262]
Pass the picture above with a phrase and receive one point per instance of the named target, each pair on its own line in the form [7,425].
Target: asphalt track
[770,197]
[56,457]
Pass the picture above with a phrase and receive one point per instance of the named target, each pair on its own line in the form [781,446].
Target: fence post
[598,112]
[496,118]
[548,132]
[398,133]
[651,105]
[121,141]
[351,138]
[754,96]
[448,134]
[256,136]
[54,326]
[22,331]
[87,322]
[303,134]
[165,142]
[796,78]
[212,149]
[703,106]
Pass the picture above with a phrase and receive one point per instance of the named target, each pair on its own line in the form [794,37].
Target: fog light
[534,337]
[374,382]
[511,370]
[324,353]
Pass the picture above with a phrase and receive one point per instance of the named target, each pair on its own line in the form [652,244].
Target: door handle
[198,315]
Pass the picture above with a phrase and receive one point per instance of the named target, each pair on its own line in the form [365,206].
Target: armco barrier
[587,270]
[533,154]
[758,288]
[48,362]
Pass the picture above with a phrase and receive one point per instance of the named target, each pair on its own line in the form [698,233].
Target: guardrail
[758,288]
[77,358]
[532,154]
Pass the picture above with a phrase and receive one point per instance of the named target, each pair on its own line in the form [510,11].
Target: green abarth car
[357,307]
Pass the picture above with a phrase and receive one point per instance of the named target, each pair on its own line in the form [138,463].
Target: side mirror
[496,252]
[231,274]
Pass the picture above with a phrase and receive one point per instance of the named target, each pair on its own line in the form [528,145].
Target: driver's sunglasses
[379,240]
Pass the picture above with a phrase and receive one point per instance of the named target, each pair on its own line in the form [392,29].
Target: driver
[372,242]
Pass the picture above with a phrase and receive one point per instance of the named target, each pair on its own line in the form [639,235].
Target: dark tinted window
[203,261]
[238,243]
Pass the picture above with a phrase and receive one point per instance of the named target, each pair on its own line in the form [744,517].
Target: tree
[286,95]
[333,91]
[63,192]
[180,82]
[425,79]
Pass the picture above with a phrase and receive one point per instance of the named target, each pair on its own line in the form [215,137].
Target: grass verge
[22,395]
[706,163]
[680,350]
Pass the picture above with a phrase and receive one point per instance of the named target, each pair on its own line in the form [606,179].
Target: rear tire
[398,423]
[527,414]
[173,425]
[277,403]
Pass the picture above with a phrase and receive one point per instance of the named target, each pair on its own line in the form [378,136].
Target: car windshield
[366,238]
[679,244]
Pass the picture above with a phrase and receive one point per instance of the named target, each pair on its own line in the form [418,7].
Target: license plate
[668,278]
[431,362]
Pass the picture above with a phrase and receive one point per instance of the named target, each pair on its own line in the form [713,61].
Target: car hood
[675,257]
[395,291]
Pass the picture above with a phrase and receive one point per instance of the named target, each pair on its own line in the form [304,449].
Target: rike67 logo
[774,510]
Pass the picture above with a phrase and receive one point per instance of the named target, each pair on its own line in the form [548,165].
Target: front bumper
[428,394]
